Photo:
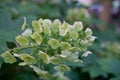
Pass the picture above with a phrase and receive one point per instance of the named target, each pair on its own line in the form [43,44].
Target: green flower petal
[40,72]
[37,37]
[47,30]
[74,35]
[57,23]
[85,54]
[27,33]
[43,56]
[24,24]
[22,64]
[8,58]
[22,40]
[47,22]
[62,68]
[88,32]
[53,43]
[78,26]
[63,29]
[27,58]
[75,49]
[40,20]
[37,26]
[65,45]
[55,26]
[55,60]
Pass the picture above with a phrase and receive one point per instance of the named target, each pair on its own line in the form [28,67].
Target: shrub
[50,45]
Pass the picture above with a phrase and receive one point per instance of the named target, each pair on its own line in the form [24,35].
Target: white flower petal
[86,53]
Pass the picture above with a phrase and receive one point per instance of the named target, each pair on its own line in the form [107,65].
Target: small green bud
[8,58]
[37,26]
[37,37]
[22,40]
[53,43]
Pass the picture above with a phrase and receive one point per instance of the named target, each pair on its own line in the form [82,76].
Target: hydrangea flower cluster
[72,15]
[50,43]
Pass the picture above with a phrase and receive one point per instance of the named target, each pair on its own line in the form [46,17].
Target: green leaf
[1,61]
[65,45]
[53,43]
[27,58]
[10,44]
[62,68]
[43,56]
[37,26]
[22,40]
[75,64]
[24,76]
[95,71]
[37,37]
[115,78]
[3,45]
[8,57]
[110,65]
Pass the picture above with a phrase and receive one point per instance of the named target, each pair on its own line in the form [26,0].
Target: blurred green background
[102,16]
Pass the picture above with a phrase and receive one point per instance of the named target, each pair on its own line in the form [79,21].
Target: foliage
[48,45]
[106,62]
[78,14]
